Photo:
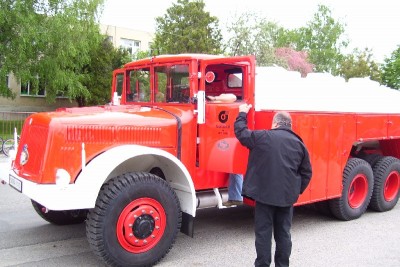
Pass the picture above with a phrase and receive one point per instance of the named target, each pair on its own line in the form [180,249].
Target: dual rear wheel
[386,184]
[376,187]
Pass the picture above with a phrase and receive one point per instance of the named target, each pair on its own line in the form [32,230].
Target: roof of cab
[171,58]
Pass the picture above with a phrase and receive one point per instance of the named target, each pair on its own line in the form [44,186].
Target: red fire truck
[138,168]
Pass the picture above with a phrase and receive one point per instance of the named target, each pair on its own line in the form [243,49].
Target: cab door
[219,149]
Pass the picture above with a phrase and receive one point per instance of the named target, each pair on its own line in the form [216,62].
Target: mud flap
[187,226]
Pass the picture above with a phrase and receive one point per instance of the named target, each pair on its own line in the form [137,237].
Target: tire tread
[108,192]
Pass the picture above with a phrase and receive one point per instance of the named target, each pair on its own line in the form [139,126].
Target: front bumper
[51,196]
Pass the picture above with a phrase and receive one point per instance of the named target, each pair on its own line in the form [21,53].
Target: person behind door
[234,190]
[278,171]
[235,180]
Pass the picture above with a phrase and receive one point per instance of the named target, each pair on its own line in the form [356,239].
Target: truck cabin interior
[172,83]
[224,79]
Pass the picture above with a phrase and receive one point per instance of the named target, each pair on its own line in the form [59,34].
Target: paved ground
[222,238]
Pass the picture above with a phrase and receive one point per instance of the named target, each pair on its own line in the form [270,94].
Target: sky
[372,24]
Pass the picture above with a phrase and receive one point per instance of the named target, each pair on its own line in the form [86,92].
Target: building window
[150,48]
[132,46]
[33,88]
[7,81]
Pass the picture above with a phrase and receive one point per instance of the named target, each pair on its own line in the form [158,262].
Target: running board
[212,198]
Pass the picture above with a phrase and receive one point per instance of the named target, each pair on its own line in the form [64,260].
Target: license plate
[15,183]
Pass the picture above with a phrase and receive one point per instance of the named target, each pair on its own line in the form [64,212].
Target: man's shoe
[231,203]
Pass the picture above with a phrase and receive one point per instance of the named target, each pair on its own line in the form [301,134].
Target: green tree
[360,64]
[187,28]
[48,43]
[140,54]
[104,58]
[391,70]
[250,34]
[322,38]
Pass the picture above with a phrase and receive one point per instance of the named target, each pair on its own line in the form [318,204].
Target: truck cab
[137,169]
[206,143]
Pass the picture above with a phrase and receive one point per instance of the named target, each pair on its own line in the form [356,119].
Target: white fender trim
[118,160]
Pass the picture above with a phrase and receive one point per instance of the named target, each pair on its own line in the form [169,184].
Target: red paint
[209,151]
[141,213]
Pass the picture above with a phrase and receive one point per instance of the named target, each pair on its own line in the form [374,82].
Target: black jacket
[279,167]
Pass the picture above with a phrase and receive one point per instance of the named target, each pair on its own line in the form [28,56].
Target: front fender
[131,158]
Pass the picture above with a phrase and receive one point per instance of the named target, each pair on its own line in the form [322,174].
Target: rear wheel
[372,159]
[357,190]
[386,185]
[64,217]
[136,220]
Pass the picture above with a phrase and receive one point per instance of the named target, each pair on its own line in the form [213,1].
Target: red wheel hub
[141,225]
[392,185]
[358,191]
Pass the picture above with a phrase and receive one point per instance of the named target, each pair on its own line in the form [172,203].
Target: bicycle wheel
[1,144]
[7,146]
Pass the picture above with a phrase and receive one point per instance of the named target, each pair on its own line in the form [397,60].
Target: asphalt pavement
[222,238]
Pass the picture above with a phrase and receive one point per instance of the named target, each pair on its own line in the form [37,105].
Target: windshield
[172,84]
[138,87]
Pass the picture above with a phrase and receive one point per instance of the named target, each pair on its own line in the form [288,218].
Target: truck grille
[35,139]
[141,135]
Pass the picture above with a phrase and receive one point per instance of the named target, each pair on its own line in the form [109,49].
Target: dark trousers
[279,220]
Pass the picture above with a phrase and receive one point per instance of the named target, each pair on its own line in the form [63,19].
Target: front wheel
[358,183]
[135,221]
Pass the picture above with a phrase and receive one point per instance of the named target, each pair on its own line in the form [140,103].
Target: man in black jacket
[278,171]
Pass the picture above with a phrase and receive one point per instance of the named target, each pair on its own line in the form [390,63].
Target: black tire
[386,184]
[358,183]
[65,217]
[135,221]
[372,159]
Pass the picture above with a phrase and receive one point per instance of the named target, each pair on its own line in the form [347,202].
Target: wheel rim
[392,184]
[141,225]
[358,191]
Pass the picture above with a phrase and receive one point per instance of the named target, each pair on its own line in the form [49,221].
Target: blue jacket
[279,167]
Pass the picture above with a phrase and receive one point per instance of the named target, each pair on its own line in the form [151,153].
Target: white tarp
[279,89]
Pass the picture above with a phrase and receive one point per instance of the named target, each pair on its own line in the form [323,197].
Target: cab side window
[119,84]
[138,87]
[235,80]
[235,84]
[222,79]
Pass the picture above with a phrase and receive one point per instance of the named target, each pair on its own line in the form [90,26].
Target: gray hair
[283,118]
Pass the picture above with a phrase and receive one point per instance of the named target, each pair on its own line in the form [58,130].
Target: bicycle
[1,142]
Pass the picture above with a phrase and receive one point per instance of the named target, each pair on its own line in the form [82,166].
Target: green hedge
[7,128]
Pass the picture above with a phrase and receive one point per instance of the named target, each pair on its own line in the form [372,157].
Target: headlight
[62,178]
[24,155]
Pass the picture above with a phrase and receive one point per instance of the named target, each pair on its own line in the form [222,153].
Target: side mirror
[201,107]
[116,99]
